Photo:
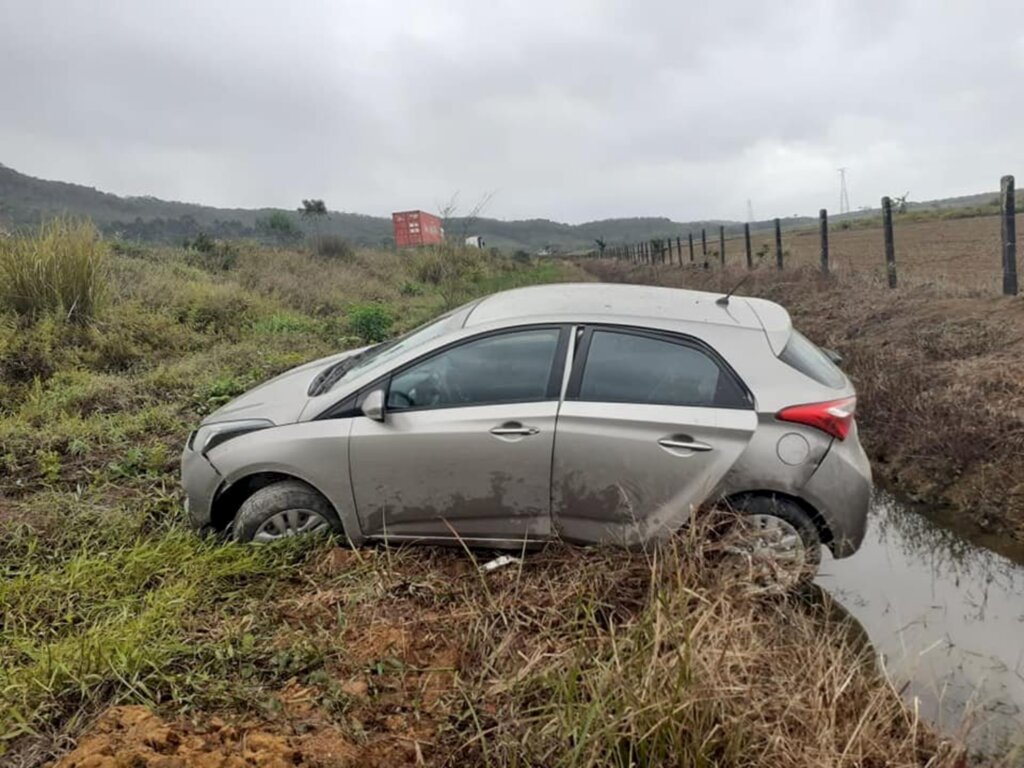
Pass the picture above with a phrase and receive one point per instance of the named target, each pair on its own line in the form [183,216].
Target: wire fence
[977,253]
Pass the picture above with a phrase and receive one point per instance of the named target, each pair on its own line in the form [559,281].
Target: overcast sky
[566,110]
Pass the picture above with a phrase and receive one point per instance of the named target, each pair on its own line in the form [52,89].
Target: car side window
[512,367]
[624,367]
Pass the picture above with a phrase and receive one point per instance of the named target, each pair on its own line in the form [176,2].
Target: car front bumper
[200,481]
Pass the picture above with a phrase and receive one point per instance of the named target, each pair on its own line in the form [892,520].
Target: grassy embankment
[939,371]
[317,655]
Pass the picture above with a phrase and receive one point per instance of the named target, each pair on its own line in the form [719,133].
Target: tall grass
[61,269]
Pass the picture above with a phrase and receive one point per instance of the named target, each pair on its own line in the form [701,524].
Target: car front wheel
[282,510]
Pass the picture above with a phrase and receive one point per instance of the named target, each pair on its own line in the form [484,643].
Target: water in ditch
[946,615]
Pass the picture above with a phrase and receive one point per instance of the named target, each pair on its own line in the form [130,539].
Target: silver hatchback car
[581,412]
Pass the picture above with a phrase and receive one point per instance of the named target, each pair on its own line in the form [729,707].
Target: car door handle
[514,428]
[690,445]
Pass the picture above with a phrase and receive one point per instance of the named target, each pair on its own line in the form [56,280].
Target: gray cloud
[570,110]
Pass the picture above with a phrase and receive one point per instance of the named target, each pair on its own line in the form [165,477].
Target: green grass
[579,658]
[107,595]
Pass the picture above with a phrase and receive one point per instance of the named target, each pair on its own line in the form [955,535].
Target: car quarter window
[510,367]
[624,367]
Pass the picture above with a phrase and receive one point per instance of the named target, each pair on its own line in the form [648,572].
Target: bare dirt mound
[134,737]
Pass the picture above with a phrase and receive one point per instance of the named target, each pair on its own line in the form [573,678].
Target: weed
[60,270]
[370,322]
[335,247]
[285,322]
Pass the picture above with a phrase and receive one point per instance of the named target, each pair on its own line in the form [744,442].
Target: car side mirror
[832,355]
[373,405]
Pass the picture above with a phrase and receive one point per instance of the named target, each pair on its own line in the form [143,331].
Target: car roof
[619,300]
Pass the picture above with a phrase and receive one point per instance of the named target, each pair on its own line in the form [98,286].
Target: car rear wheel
[282,510]
[777,536]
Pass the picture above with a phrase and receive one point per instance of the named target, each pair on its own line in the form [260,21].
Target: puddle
[946,615]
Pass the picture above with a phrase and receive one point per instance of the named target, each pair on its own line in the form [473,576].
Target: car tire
[774,520]
[284,509]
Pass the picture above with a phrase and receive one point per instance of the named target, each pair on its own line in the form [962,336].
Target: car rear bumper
[200,481]
[840,490]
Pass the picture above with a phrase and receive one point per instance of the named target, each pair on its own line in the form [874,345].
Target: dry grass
[959,256]
[570,658]
[62,269]
[940,378]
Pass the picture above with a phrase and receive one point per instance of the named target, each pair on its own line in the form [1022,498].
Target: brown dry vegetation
[940,378]
[572,659]
[958,256]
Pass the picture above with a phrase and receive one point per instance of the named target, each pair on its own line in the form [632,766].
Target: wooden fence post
[823,215]
[679,250]
[746,239]
[691,247]
[890,246]
[1009,209]
[703,243]
[721,243]
[778,244]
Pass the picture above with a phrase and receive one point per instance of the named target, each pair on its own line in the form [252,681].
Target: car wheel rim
[291,522]
[772,538]
[775,543]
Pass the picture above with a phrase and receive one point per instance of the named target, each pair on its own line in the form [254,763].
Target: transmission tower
[844,194]
[750,210]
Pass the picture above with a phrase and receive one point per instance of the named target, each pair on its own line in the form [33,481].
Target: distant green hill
[25,201]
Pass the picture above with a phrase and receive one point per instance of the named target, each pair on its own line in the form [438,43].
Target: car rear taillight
[834,417]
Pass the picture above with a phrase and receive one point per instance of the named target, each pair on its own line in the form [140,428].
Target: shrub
[370,322]
[335,247]
[451,268]
[211,255]
[62,269]
[411,288]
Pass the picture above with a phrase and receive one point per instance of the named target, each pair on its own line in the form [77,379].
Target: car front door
[465,446]
[650,424]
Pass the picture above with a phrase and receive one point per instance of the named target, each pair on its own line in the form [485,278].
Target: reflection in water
[946,615]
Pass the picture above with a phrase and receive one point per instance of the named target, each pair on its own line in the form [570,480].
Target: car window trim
[349,406]
[551,390]
[579,362]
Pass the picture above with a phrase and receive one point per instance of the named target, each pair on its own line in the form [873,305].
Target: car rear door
[466,444]
[650,424]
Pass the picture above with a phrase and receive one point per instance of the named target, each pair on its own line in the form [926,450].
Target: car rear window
[804,355]
[623,367]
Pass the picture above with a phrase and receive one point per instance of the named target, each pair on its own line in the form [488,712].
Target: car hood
[281,399]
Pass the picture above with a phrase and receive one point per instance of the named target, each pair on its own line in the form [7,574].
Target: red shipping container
[413,228]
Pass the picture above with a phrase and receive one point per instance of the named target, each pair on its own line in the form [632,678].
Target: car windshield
[389,350]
